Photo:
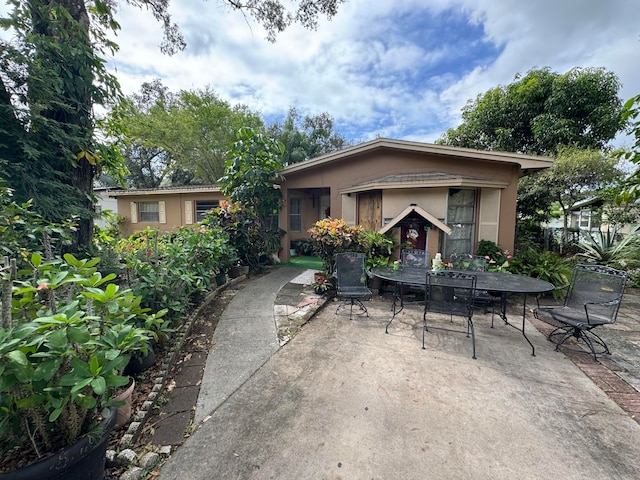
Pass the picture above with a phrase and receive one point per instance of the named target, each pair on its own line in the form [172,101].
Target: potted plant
[63,346]
[323,284]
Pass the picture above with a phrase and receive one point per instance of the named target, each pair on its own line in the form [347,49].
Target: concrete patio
[344,400]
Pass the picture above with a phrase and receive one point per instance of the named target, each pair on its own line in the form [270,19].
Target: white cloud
[400,68]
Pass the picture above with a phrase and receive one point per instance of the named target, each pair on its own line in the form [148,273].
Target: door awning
[412,212]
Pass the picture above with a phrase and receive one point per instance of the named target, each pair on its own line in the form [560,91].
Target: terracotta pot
[124,411]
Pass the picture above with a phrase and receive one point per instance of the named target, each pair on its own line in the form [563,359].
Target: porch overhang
[424,180]
[410,211]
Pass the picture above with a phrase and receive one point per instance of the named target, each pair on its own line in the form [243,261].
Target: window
[585,218]
[149,212]
[461,216]
[295,215]
[203,206]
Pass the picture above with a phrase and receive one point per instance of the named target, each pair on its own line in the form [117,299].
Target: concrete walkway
[343,400]
[245,338]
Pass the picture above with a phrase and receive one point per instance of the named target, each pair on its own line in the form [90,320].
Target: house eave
[459,182]
[164,191]
[526,162]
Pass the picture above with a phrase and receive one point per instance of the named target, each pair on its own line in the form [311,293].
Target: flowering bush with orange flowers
[331,236]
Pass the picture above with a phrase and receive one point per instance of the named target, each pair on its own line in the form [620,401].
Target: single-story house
[439,198]
[165,208]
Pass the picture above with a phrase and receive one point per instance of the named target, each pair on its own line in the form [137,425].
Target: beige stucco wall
[347,173]
[174,209]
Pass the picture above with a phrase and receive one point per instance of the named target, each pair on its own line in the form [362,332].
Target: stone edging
[160,382]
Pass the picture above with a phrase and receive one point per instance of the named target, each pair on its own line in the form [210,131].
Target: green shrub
[331,236]
[544,265]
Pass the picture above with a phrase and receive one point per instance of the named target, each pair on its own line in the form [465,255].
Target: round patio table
[498,284]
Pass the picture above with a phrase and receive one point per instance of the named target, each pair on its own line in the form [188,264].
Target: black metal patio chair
[476,263]
[593,299]
[352,282]
[450,293]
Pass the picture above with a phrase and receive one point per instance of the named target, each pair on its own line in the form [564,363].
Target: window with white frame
[461,214]
[148,212]
[295,215]
[585,218]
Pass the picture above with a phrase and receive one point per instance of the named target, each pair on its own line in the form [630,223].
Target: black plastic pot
[84,460]
[140,363]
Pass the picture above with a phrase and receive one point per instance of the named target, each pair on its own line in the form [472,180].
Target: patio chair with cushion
[592,300]
[352,282]
[450,293]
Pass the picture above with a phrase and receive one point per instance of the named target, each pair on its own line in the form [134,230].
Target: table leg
[503,315]
[397,294]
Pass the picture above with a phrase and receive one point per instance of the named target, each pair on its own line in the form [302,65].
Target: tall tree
[631,113]
[542,111]
[180,138]
[577,174]
[308,137]
[51,76]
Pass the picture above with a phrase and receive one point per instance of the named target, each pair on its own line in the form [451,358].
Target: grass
[313,263]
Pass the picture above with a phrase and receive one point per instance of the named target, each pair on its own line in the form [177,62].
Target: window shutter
[489,214]
[162,213]
[134,212]
[188,212]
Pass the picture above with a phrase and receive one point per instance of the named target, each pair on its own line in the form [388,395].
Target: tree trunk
[74,112]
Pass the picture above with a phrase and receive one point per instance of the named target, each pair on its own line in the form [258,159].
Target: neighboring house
[587,215]
[104,203]
[165,208]
[440,198]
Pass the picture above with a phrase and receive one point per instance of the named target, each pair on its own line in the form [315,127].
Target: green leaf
[47,369]
[17,356]
[78,335]
[36,259]
[99,385]
[94,366]
[86,401]
[81,385]
[58,338]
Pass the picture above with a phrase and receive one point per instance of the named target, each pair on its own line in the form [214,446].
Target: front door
[370,210]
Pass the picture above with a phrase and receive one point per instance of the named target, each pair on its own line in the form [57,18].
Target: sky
[400,69]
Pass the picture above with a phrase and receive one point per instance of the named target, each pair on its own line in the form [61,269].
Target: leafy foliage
[170,270]
[180,138]
[609,248]
[62,351]
[542,111]
[545,265]
[308,137]
[331,236]
[497,258]
[631,114]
